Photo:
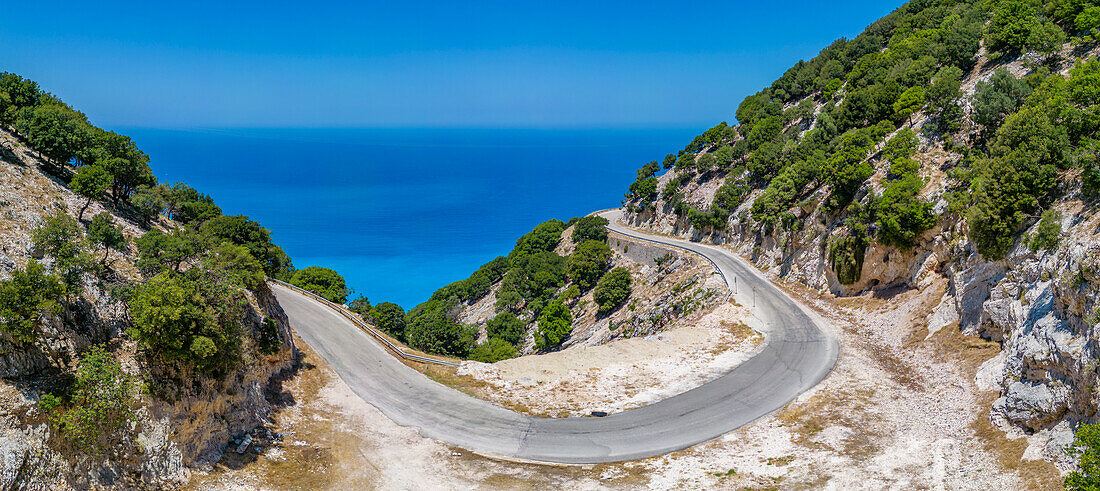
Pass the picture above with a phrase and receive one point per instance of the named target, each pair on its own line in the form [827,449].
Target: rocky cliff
[1041,304]
[183,422]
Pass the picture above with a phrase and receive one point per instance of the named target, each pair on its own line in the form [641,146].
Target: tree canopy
[25,298]
[323,281]
[613,289]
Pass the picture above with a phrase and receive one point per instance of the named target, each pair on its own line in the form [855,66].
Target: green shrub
[59,238]
[731,194]
[101,404]
[1017,181]
[158,251]
[902,216]
[543,238]
[506,326]
[588,263]
[644,190]
[173,312]
[269,339]
[686,163]
[148,202]
[713,220]
[55,130]
[243,231]
[128,165]
[669,161]
[325,282]
[476,287]
[1049,232]
[494,270]
[237,264]
[612,290]
[848,168]
[431,327]
[390,318]
[996,99]
[25,298]
[92,183]
[492,351]
[186,205]
[508,300]
[1086,450]
[846,257]
[103,232]
[196,212]
[554,325]
[361,305]
[909,102]
[590,228]
[1018,25]
[570,293]
[533,276]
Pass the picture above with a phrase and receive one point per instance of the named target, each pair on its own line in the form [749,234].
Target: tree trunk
[80,217]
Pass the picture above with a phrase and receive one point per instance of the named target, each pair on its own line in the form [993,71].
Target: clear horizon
[490,65]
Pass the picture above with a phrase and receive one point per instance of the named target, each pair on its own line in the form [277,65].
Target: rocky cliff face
[1042,306]
[171,436]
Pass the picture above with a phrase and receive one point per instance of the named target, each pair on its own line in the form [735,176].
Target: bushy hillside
[564,284]
[949,139]
[137,333]
[987,88]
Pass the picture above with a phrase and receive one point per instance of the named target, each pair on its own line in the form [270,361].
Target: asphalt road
[797,355]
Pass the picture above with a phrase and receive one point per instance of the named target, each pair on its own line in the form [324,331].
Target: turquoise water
[401,212]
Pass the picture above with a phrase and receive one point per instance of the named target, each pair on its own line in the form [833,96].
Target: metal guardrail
[667,244]
[354,318]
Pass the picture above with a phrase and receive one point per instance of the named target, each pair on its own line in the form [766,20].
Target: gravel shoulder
[898,411]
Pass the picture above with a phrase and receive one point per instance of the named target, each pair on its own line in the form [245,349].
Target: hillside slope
[175,418]
[932,148]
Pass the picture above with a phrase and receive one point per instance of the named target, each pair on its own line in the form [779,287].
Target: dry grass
[1038,474]
[739,332]
[967,352]
[505,474]
[847,408]
[475,387]
[315,454]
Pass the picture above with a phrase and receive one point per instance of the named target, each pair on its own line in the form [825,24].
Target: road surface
[797,355]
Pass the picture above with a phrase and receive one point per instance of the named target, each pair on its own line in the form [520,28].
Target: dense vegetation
[612,290]
[96,415]
[325,282]
[25,298]
[536,290]
[1086,450]
[817,135]
[187,308]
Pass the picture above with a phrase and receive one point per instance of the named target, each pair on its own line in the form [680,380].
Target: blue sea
[401,212]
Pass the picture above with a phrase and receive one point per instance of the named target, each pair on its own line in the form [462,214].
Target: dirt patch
[901,410]
[332,439]
[1009,452]
[623,374]
[313,453]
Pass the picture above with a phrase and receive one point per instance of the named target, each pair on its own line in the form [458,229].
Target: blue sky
[416,64]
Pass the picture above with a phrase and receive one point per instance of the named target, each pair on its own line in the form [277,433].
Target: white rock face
[1042,306]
